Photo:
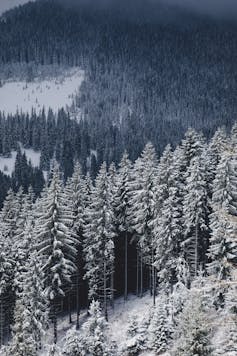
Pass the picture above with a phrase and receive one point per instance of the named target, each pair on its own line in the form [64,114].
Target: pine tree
[56,244]
[22,342]
[122,210]
[223,247]
[98,243]
[94,331]
[168,227]
[143,210]
[193,334]
[73,344]
[75,192]
[196,211]
[31,314]
[160,329]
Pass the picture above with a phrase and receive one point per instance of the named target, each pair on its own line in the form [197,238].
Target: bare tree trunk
[105,294]
[69,307]
[1,324]
[126,268]
[78,302]
[153,278]
[137,289]
[55,326]
[196,251]
[112,289]
[150,281]
[141,290]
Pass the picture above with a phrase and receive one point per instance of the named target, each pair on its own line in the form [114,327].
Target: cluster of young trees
[179,213]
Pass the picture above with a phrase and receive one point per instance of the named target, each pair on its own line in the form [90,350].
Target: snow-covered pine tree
[168,228]
[143,212]
[35,301]
[192,146]
[6,279]
[31,311]
[192,336]
[122,209]
[24,242]
[213,154]
[54,350]
[56,245]
[112,194]
[8,223]
[223,246]
[75,192]
[160,328]
[94,329]
[73,345]
[196,214]
[22,342]
[228,324]
[98,244]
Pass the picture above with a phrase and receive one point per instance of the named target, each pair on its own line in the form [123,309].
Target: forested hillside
[135,194]
[167,225]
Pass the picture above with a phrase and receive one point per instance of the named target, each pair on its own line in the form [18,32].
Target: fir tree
[193,334]
[196,211]
[94,331]
[160,329]
[56,244]
[122,210]
[98,243]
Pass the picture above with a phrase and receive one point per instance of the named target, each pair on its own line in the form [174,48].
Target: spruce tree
[122,210]
[196,213]
[143,209]
[56,245]
[98,242]
[95,331]
[193,332]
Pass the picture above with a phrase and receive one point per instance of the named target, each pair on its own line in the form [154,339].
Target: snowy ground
[54,93]
[9,4]
[118,320]
[7,164]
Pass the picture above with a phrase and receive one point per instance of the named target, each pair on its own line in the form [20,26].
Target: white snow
[119,319]
[9,4]
[7,164]
[54,93]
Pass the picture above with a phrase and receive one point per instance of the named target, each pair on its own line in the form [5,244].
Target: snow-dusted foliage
[167,226]
[193,334]
[95,342]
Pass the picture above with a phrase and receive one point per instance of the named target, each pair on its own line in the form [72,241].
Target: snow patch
[55,93]
[9,4]
[7,164]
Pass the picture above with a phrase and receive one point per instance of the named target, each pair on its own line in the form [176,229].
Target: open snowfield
[54,93]
[9,4]
[7,164]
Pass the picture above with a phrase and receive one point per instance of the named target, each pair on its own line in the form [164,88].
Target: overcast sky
[212,7]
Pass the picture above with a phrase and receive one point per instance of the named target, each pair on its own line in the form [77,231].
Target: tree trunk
[1,324]
[141,290]
[153,279]
[196,251]
[55,326]
[112,289]
[69,308]
[78,302]
[105,294]
[137,288]
[126,268]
